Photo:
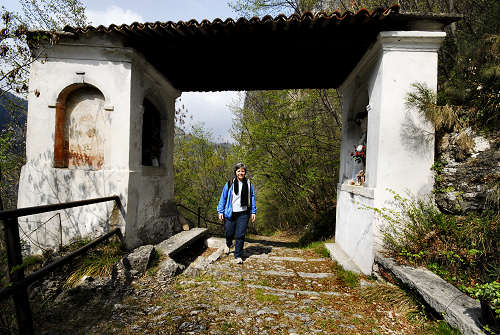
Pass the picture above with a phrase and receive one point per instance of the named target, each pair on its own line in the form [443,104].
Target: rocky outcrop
[467,171]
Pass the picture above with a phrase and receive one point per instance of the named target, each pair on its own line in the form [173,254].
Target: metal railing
[18,282]
[198,216]
[251,227]
[27,235]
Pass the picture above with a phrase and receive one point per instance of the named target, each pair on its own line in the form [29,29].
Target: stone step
[459,310]
[272,290]
[180,241]
[282,290]
[286,259]
[300,274]
[215,242]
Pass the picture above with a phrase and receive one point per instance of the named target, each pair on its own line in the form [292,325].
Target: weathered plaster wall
[151,215]
[400,143]
[103,121]
[108,71]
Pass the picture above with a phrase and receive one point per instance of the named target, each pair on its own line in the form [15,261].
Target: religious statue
[359,153]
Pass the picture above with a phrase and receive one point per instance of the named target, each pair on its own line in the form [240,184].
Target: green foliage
[489,293]
[290,140]
[260,296]
[11,160]
[48,15]
[250,8]
[98,262]
[442,328]
[462,250]
[319,248]
[347,278]
[201,167]
[322,226]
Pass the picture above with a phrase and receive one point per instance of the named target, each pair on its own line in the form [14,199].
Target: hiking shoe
[226,250]
[238,260]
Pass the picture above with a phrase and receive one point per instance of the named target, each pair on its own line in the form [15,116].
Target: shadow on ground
[278,244]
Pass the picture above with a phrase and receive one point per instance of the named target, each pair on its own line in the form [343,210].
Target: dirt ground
[279,289]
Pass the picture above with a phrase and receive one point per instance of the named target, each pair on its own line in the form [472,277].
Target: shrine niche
[358,154]
[80,128]
[152,143]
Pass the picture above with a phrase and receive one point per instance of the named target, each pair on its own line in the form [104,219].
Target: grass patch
[154,261]
[442,328]
[98,262]
[262,282]
[391,297]
[461,249]
[319,248]
[265,298]
[346,278]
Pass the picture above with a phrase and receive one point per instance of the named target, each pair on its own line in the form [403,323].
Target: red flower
[352,153]
[362,153]
[357,153]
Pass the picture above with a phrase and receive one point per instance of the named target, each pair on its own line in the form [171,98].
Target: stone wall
[467,172]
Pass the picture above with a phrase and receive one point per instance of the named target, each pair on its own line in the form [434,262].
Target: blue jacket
[225,205]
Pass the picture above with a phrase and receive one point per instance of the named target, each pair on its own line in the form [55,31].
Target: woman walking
[236,206]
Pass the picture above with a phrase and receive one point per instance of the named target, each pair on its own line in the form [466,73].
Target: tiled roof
[308,51]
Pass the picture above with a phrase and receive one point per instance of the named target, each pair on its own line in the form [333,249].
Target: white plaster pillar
[400,142]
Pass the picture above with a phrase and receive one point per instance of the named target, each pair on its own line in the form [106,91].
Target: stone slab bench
[459,310]
[180,241]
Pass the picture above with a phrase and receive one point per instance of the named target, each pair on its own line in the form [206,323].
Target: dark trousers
[236,227]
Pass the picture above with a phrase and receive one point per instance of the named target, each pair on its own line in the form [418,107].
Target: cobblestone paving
[279,289]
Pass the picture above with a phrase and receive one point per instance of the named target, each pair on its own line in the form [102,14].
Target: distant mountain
[12,109]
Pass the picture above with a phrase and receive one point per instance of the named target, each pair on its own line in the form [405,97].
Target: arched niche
[80,128]
[152,143]
[356,134]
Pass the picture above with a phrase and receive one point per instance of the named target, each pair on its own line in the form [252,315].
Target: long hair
[244,191]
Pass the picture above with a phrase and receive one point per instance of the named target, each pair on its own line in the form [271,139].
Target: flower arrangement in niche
[359,154]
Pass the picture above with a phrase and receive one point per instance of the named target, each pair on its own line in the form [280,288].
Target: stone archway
[385,49]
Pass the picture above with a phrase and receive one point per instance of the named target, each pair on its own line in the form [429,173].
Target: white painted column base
[400,143]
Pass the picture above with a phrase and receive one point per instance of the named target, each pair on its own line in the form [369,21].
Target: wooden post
[16,273]
[199,216]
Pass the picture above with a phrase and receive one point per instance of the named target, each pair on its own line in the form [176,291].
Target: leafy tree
[45,15]
[291,139]
[201,169]
[272,7]
[16,58]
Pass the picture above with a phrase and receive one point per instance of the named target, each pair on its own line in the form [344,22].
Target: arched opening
[79,133]
[152,143]
[355,138]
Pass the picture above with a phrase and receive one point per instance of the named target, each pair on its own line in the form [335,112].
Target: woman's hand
[221,217]
[253,218]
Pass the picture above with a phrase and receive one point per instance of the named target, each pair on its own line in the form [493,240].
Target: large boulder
[168,268]
[134,264]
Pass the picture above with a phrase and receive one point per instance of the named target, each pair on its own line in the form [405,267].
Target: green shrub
[321,228]
[97,262]
[461,249]
[490,294]
[319,248]
[347,278]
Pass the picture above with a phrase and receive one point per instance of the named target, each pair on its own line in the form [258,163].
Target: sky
[212,109]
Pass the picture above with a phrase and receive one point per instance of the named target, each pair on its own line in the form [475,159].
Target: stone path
[279,289]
